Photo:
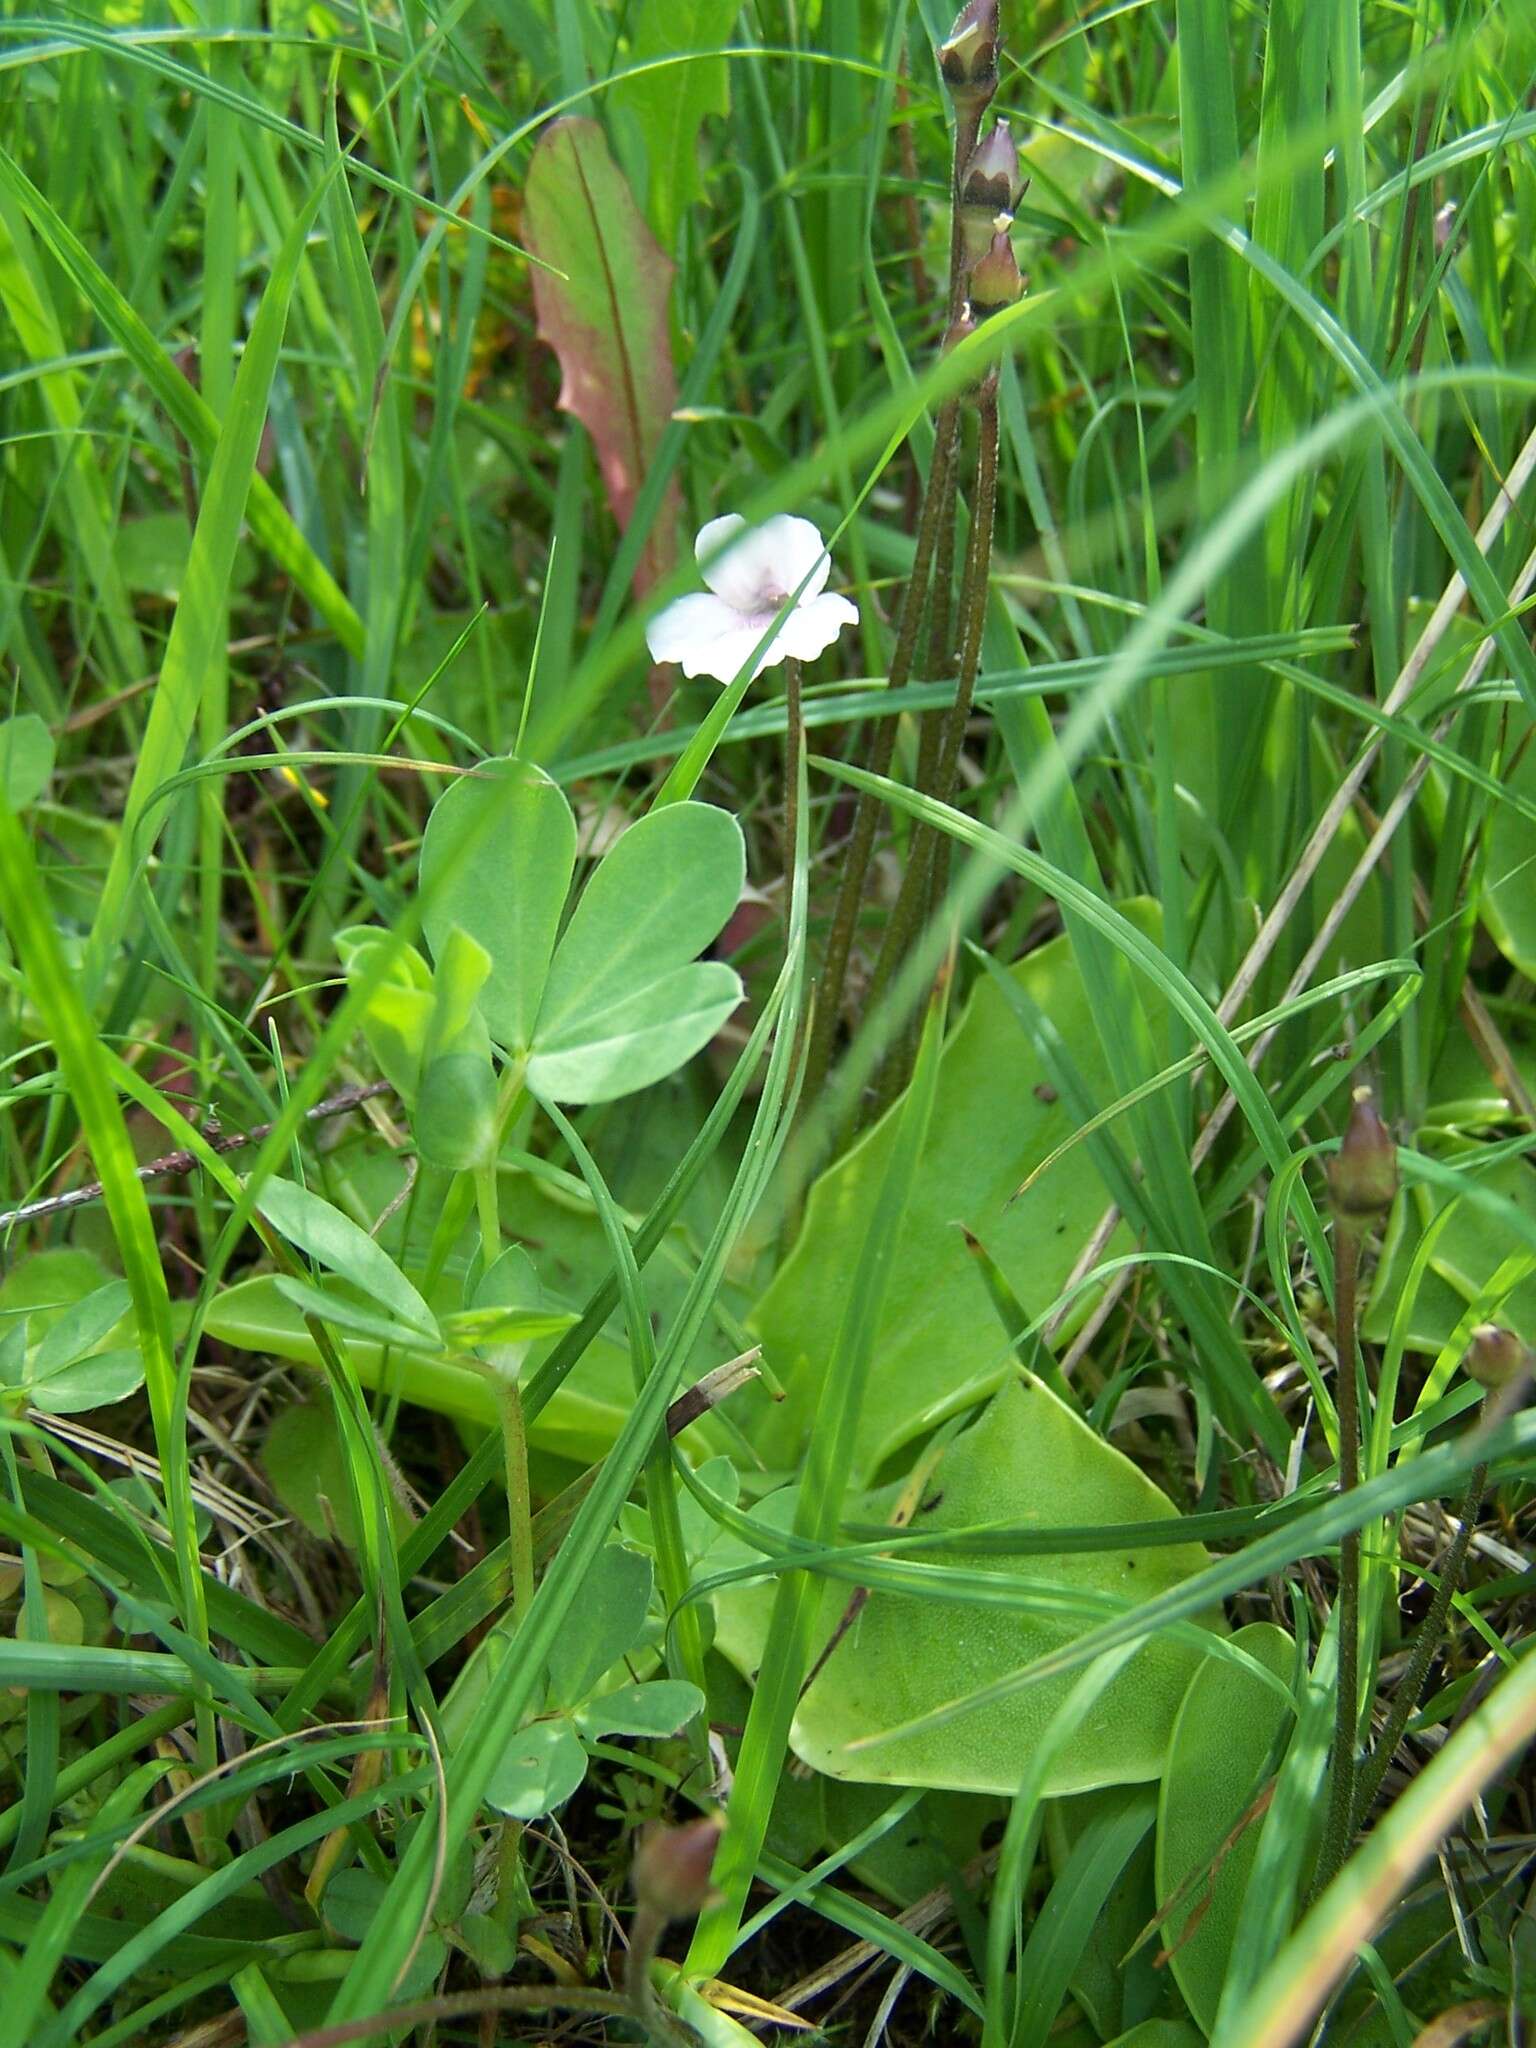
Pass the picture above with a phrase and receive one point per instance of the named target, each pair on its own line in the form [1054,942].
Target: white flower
[715,632]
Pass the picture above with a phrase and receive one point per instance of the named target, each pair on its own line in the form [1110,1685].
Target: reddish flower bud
[962,330]
[959,330]
[992,180]
[968,59]
[1495,1356]
[1363,1176]
[996,282]
[672,1866]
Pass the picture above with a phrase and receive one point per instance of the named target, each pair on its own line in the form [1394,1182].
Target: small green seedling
[590,1692]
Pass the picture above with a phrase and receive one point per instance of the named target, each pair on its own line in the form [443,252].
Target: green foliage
[544,1763]
[619,1001]
[381,1555]
[671,103]
[997,1117]
[1229,1728]
[1030,1462]
[27,756]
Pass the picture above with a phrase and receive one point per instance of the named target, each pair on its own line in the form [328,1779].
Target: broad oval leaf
[540,1768]
[995,1118]
[1028,1460]
[81,1328]
[658,897]
[351,1899]
[606,1622]
[94,1382]
[1222,1739]
[623,1007]
[497,861]
[645,1036]
[658,1707]
[305,1461]
[319,1228]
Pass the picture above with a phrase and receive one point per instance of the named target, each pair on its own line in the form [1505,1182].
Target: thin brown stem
[967,128]
[940,661]
[794,749]
[1425,1643]
[866,816]
[185,1162]
[882,746]
[1341,1796]
[913,898]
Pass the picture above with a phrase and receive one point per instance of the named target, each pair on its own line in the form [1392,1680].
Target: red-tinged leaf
[606,317]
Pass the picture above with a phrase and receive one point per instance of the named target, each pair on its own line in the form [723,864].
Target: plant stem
[794,747]
[866,816]
[488,1210]
[509,1395]
[645,1932]
[967,129]
[1341,1798]
[973,611]
[938,500]
[514,1437]
[912,900]
[1425,1643]
[940,645]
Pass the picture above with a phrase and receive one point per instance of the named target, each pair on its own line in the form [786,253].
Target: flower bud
[959,330]
[1495,1356]
[977,227]
[962,330]
[1362,1178]
[672,1866]
[996,282]
[992,179]
[968,59]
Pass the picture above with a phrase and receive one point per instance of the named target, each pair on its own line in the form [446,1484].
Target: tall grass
[292,529]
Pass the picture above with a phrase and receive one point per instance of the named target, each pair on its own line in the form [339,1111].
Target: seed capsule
[992,179]
[1363,1176]
[968,59]
[1495,1356]
[996,282]
[672,1866]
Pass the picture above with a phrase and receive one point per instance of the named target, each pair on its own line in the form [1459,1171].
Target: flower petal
[812,627]
[801,552]
[708,636]
[714,536]
[726,657]
[764,564]
[679,631]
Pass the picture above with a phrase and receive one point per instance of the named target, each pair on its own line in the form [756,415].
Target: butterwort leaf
[605,316]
